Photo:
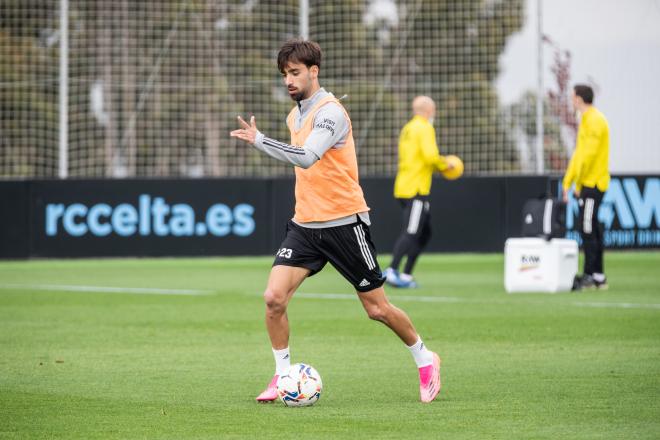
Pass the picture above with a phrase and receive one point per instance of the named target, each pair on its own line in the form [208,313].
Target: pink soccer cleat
[270,393]
[429,380]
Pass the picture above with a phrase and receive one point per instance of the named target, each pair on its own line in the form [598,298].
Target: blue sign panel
[630,213]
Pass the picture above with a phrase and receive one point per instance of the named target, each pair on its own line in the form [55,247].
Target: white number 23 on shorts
[284,252]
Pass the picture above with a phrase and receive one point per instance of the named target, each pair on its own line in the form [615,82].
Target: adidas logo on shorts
[364,283]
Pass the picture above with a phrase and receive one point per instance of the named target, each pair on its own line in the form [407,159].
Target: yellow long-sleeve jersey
[590,162]
[418,159]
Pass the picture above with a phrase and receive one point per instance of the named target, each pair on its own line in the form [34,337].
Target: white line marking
[340,296]
[105,289]
[458,300]
[617,305]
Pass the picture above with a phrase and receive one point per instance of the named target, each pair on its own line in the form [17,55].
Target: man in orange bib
[331,221]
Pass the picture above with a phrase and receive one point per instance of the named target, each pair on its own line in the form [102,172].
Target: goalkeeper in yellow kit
[418,159]
[588,171]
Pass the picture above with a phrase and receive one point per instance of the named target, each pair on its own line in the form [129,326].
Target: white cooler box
[539,265]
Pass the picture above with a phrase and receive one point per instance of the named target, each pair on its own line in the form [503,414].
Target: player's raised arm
[330,130]
[301,157]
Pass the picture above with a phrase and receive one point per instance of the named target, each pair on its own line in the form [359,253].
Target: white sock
[599,277]
[420,353]
[282,361]
[405,277]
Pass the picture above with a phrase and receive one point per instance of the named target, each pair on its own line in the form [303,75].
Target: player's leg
[588,232]
[282,283]
[350,250]
[599,267]
[400,245]
[420,239]
[399,251]
[600,280]
[407,241]
[379,308]
[416,251]
[295,260]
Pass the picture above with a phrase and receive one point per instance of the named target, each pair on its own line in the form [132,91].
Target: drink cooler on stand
[539,265]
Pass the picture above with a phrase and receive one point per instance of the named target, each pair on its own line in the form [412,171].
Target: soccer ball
[455,172]
[300,386]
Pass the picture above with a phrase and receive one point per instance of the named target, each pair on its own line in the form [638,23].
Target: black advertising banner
[467,215]
[14,220]
[149,217]
[114,218]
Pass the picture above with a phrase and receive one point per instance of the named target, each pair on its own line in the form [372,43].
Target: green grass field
[84,353]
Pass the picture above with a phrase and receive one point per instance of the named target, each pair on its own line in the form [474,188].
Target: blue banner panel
[629,212]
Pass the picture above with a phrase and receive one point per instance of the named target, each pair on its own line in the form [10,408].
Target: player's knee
[376,312]
[275,301]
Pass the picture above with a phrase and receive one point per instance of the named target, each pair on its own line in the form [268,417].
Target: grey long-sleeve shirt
[330,129]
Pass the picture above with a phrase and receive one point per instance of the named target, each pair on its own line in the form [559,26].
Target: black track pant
[415,232]
[591,230]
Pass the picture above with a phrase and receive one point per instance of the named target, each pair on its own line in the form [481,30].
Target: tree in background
[559,122]
[155,86]
[28,89]
[561,107]
[449,50]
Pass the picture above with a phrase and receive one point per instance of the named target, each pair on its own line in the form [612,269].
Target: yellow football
[455,172]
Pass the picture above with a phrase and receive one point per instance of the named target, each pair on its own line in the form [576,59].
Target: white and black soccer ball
[300,386]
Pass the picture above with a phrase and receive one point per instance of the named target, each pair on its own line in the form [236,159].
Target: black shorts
[348,248]
[416,216]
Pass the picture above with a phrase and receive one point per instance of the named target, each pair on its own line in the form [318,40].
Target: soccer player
[588,170]
[418,159]
[331,221]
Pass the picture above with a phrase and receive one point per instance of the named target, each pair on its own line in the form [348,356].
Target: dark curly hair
[299,51]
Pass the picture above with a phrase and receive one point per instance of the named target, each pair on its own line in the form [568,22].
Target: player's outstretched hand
[248,132]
